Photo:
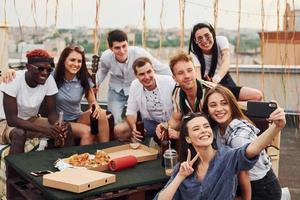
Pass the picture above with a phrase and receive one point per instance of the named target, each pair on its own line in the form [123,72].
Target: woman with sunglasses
[73,81]
[234,129]
[211,54]
[208,172]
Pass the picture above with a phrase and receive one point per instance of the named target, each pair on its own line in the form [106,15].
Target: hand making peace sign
[186,168]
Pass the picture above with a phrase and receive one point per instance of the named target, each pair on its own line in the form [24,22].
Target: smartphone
[40,173]
[260,109]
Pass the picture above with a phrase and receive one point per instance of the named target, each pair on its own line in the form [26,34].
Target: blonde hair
[180,55]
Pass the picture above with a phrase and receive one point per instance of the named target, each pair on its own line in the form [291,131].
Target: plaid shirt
[239,133]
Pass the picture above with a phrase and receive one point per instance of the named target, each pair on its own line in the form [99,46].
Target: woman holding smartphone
[207,172]
[234,129]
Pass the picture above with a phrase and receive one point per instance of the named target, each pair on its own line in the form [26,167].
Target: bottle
[60,140]
[60,118]
[164,144]
[140,125]
[93,121]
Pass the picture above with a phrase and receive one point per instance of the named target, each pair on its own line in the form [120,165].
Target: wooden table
[135,181]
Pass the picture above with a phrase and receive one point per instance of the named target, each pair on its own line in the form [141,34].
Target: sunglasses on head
[77,48]
[42,68]
[192,115]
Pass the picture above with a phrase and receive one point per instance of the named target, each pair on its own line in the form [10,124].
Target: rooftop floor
[289,170]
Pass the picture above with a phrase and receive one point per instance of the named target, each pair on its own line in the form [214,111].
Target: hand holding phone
[40,173]
[260,109]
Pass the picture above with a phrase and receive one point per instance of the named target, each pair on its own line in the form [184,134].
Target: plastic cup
[170,160]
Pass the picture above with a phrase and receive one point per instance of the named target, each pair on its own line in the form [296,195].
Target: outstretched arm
[159,67]
[261,142]
[101,73]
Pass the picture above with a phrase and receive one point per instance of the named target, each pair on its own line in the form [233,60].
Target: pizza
[86,160]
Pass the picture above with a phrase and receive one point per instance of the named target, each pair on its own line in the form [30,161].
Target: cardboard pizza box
[77,179]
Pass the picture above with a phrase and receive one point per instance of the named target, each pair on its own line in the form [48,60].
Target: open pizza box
[142,153]
[77,179]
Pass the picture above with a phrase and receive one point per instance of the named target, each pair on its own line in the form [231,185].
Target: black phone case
[260,109]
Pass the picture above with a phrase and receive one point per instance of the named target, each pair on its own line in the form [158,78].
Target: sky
[121,13]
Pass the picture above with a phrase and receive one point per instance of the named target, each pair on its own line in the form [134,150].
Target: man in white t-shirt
[117,61]
[22,99]
[151,95]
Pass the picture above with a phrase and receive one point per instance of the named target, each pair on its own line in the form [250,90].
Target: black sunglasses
[41,68]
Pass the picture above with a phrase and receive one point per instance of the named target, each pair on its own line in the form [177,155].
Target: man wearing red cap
[22,99]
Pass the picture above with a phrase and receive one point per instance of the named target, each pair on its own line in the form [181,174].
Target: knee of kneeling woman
[120,132]
[258,96]
[117,131]
[17,135]
[86,138]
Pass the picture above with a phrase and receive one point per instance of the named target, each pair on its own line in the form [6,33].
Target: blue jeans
[116,103]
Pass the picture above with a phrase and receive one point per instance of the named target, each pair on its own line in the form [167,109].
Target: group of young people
[216,140]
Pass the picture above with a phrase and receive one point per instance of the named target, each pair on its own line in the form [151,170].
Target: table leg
[11,192]
[138,195]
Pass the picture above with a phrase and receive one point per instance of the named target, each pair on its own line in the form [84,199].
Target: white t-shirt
[222,44]
[28,99]
[154,105]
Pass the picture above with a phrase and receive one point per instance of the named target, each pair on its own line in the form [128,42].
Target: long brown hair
[236,112]
[83,74]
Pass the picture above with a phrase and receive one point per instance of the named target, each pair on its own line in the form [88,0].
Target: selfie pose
[205,172]
[232,128]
